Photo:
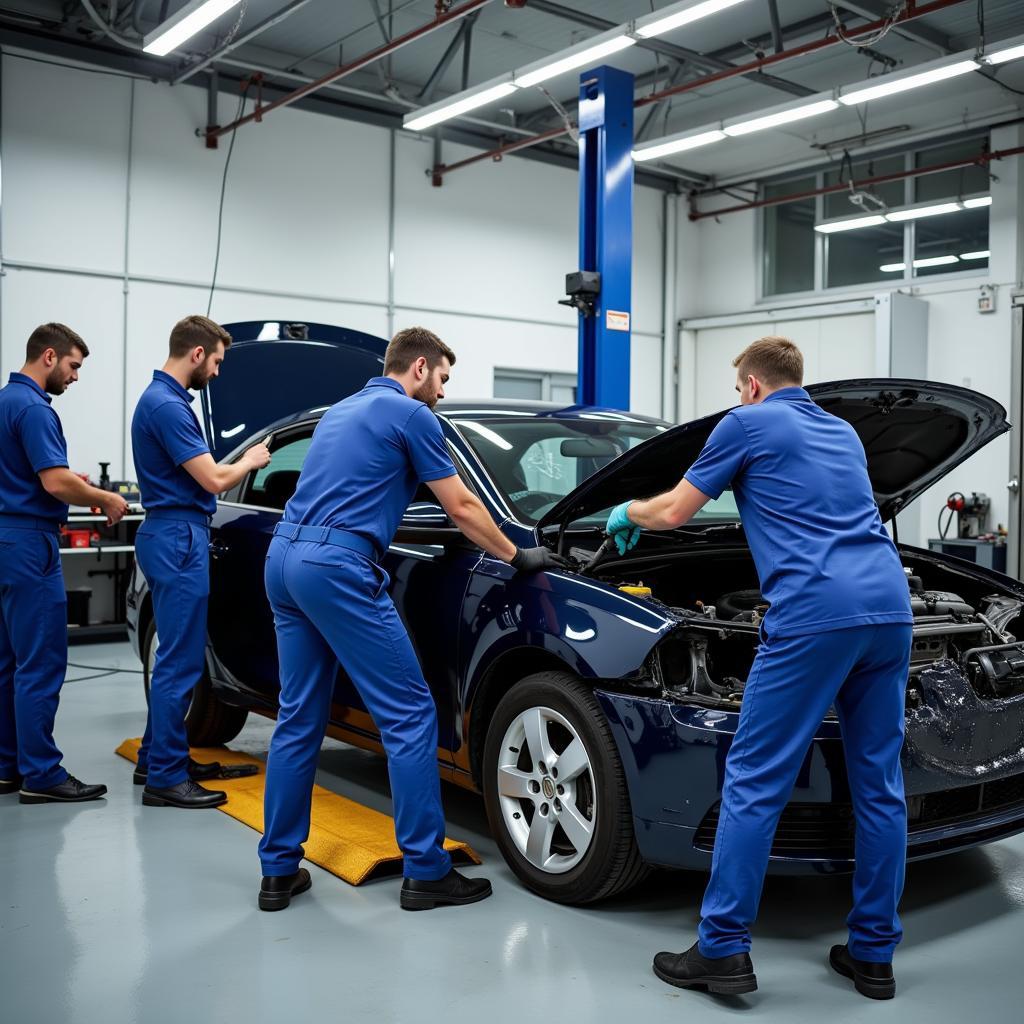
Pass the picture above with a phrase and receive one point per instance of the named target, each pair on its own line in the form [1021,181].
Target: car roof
[500,407]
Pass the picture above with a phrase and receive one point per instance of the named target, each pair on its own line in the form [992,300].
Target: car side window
[273,486]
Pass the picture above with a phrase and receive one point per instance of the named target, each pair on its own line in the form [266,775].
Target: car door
[240,622]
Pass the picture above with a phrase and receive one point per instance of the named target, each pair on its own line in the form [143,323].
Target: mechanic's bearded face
[207,369]
[431,391]
[64,371]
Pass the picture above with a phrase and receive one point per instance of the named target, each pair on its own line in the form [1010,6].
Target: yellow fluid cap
[636,591]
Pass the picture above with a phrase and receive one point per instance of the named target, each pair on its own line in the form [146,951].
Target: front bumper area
[674,757]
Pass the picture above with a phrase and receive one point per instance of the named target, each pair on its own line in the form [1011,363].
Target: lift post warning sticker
[615,320]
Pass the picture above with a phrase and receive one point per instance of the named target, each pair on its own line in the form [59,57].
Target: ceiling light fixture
[935,261]
[977,202]
[981,254]
[850,224]
[889,85]
[678,15]
[571,59]
[677,144]
[916,213]
[192,18]
[460,104]
[893,268]
[1014,52]
[783,115]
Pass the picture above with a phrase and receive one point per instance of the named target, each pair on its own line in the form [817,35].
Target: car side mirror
[426,522]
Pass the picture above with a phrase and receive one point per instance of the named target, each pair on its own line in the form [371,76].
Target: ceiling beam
[681,53]
[916,31]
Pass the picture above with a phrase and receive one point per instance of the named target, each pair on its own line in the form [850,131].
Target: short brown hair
[408,345]
[195,330]
[59,337]
[775,361]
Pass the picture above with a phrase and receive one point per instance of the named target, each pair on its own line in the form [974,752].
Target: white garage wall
[109,216]
[718,271]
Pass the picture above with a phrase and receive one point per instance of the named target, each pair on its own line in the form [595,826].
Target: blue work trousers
[33,655]
[174,556]
[794,681]
[330,605]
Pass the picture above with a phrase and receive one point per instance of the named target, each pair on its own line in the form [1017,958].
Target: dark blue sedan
[594,707]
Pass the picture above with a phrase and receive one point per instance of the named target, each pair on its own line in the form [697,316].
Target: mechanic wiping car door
[179,481]
[838,632]
[329,595]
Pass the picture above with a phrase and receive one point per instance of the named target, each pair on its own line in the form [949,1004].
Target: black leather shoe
[726,976]
[198,771]
[70,791]
[873,980]
[276,891]
[185,794]
[10,785]
[454,890]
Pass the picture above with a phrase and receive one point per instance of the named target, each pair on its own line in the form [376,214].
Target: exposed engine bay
[958,621]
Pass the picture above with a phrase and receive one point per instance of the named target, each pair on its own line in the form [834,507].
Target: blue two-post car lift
[601,290]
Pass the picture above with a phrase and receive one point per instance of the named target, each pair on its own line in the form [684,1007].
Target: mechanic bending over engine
[330,601]
[837,633]
[179,481]
[36,487]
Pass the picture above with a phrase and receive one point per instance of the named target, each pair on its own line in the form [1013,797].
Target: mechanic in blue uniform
[36,488]
[329,595]
[178,481]
[837,633]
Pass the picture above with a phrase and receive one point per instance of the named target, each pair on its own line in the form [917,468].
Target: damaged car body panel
[657,645]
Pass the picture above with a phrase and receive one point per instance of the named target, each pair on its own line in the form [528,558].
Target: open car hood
[913,431]
[275,369]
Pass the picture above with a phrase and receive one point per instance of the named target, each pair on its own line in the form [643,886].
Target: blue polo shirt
[800,478]
[31,440]
[165,433]
[367,457]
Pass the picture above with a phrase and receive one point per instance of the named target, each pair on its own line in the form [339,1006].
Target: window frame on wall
[909,276]
[548,379]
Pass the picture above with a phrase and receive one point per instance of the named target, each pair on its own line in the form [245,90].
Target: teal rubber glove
[622,528]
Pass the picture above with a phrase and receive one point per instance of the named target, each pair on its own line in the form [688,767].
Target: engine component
[938,602]
[742,606]
[638,590]
[996,671]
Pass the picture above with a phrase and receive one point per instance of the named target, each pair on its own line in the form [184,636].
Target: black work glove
[536,559]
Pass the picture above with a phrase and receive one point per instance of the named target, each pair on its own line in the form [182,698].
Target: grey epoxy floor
[115,913]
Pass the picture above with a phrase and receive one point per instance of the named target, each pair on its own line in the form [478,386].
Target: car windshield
[538,461]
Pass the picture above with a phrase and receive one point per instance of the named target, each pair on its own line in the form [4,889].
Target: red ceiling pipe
[843,186]
[446,18]
[911,12]
[496,154]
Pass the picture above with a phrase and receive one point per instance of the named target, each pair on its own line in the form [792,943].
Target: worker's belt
[181,515]
[329,535]
[28,523]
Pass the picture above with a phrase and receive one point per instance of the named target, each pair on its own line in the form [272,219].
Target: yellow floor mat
[351,841]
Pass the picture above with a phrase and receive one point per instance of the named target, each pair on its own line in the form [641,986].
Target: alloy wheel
[546,790]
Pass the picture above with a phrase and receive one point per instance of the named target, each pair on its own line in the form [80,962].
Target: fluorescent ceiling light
[575,58]
[677,145]
[981,254]
[830,227]
[893,268]
[891,84]
[979,201]
[1002,56]
[461,104]
[923,211]
[192,18]
[679,14]
[785,116]
[936,261]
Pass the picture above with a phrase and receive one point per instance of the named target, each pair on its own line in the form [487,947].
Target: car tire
[209,722]
[561,868]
